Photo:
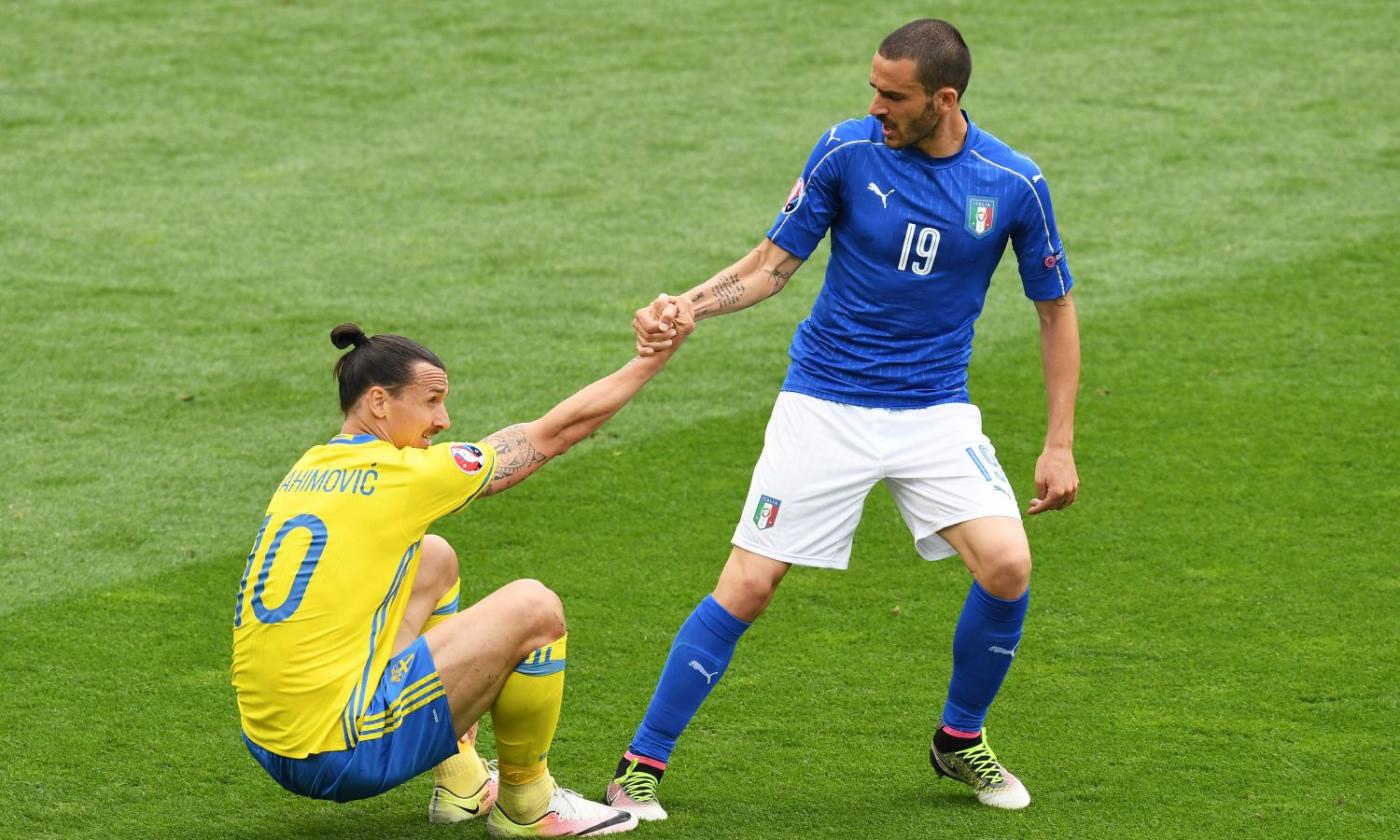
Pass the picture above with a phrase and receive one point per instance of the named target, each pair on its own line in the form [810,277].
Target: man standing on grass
[920,203]
[353,668]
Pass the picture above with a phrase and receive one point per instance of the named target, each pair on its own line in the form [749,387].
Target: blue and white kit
[914,242]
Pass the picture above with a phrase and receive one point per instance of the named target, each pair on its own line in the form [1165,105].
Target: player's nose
[876,109]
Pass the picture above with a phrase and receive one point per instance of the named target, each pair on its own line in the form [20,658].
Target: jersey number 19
[924,243]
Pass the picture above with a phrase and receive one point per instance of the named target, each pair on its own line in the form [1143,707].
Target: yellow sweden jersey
[328,580]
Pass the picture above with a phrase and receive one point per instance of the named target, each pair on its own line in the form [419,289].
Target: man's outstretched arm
[758,275]
[525,447]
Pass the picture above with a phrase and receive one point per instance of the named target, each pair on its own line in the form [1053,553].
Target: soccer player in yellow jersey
[353,668]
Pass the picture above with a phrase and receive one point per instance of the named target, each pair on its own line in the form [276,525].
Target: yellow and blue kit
[320,603]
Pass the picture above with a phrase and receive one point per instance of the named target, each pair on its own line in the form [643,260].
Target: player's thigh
[437,575]
[996,551]
[478,648]
[810,483]
[944,471]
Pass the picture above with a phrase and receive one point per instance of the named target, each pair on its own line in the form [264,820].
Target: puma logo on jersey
[883,195]
[1037,177]
[701,668]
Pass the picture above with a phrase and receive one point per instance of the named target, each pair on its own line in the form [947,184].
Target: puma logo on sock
[708,676]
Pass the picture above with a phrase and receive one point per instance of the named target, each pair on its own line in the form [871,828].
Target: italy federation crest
[766,513]
[981,214]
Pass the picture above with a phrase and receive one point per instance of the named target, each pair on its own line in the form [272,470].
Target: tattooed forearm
[516,457]
[780,279]
[729,290]
[698,296]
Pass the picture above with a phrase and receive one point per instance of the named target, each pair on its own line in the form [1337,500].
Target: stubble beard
[922,128]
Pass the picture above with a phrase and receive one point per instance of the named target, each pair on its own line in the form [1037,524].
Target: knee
[746,588]
[540,610]
[1006,574]
[438,565]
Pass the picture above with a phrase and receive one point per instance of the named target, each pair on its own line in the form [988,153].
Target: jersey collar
[351,439]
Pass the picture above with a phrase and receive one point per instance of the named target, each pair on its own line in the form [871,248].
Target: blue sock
[702,650]
[983,646]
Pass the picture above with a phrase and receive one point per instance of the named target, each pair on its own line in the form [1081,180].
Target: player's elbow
[569,437]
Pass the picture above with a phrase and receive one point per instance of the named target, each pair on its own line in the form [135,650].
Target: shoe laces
[639,785]
[571,805]
[982,761]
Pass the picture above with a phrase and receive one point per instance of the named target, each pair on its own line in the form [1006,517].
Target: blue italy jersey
[914,242]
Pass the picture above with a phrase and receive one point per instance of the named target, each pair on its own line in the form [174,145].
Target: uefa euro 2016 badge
[469,459]
[981,215]
[766,513]
[794,197]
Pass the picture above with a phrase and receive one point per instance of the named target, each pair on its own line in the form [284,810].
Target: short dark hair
[384,360]
[938,50]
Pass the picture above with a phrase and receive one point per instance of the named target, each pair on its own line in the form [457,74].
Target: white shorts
[821,458]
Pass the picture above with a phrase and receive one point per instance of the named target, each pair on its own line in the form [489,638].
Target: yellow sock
[524,717]
[445,609]
[463,773]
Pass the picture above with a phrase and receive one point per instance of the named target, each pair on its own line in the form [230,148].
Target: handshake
[663,324]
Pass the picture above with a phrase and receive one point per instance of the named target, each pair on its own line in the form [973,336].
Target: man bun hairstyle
[347,334]
[384,360]
[938,50]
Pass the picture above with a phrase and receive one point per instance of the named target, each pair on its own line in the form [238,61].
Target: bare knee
[748,582]
[437,567]
[1005,574]
[540,612]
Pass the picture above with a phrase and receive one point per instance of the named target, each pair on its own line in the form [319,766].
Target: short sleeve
[812,204]
[447,478]
[1040,254]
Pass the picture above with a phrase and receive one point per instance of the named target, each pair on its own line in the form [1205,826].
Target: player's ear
[946,99]
[376,401]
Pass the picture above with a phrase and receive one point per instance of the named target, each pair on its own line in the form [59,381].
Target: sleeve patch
[469,459]
[794,198]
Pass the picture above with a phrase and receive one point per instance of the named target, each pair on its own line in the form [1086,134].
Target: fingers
[654,326]
[1055,498]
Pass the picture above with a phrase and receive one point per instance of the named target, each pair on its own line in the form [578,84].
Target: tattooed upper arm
[516,458]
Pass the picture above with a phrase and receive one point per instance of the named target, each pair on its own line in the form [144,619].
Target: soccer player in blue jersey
[920,203]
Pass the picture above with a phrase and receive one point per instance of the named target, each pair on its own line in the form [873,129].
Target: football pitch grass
[191,195]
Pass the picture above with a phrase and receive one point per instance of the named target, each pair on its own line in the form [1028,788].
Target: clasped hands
[663,324]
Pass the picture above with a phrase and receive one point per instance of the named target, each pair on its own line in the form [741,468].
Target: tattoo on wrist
[514,454]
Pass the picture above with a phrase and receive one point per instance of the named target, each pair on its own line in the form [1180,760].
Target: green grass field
[191,195]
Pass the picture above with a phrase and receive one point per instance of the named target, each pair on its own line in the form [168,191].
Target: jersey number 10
[271,615]
[924,243]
